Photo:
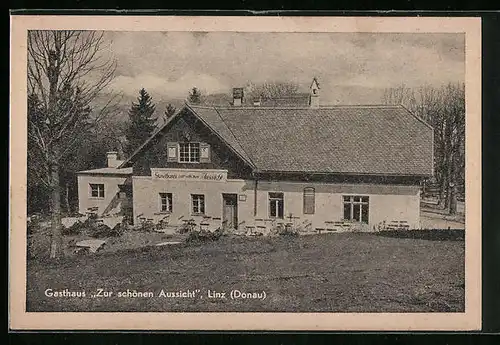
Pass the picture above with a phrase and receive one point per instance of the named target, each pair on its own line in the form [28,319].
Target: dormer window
[189,152]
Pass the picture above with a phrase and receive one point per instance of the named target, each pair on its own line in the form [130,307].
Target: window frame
[200,205]
[312,194]
[189,152]
[277,208]
[169,198]
[99,190]
[363,205]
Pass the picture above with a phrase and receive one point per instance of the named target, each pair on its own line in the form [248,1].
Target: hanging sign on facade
[200,175]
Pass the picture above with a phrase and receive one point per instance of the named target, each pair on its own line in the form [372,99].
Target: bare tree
[272,89]
[66,74]
[454,113]
[444,109]
[399,95]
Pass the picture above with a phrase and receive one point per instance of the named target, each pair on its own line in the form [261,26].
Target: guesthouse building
[242,164]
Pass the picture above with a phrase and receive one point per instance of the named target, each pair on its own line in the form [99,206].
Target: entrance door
[230,211]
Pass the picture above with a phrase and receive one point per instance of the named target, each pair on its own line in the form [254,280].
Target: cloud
[161,88]
[168,64]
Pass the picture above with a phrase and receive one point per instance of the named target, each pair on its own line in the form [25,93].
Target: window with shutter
[204,153]
[171,152]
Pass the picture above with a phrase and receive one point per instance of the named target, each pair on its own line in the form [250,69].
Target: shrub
[103,231]
[288,231]
[204,235]
[147,226]
[128,219]
[75,229]
[186,227]
[426,234]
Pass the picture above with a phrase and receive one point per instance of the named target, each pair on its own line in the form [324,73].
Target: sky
[352,68]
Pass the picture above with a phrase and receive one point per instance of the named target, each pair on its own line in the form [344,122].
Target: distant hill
[338,95]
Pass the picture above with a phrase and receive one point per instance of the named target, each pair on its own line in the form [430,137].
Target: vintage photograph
[259,172]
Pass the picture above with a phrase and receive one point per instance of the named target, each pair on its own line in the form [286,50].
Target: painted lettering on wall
[215,176]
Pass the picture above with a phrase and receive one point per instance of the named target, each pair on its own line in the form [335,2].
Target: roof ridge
[417,117]
[234,136]
[308,107]
[154,134]
[191,105]
[296,95]
[216,132]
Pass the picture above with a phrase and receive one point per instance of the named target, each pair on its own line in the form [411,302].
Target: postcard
[245,173]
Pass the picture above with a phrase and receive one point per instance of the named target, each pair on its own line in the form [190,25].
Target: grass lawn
[349,272]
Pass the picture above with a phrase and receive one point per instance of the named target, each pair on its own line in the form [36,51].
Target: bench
[396,225]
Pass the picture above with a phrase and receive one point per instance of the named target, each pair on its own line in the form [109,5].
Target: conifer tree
[141,124]
[169,111]
[195,96]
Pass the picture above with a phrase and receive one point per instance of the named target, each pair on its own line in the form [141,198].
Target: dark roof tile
[344,139]
[384,140]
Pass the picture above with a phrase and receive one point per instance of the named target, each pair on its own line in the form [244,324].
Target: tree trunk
[445,186]
[448,189]
[66,198]
[453,199]
[442,192]
[449,172]
[443,180]
[56,241]
[453,185]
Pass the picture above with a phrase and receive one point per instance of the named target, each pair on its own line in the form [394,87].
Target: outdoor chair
[306,226]
[260,226]
[250,228]
[206,223]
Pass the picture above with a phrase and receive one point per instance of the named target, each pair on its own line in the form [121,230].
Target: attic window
[189,152]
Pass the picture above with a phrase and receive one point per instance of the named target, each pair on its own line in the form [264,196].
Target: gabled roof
[380,140]
[216,124]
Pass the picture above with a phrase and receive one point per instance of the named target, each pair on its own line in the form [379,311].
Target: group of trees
[65,77]
[271,90]
[72,118]
[444,109]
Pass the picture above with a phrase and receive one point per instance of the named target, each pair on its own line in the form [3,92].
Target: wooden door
[230,211]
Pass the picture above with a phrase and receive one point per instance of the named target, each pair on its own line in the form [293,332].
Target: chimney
[237,96]
[314,94]
[113,161]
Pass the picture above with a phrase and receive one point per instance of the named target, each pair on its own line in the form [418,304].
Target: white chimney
[314,94]
[113,161]
[237,96]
